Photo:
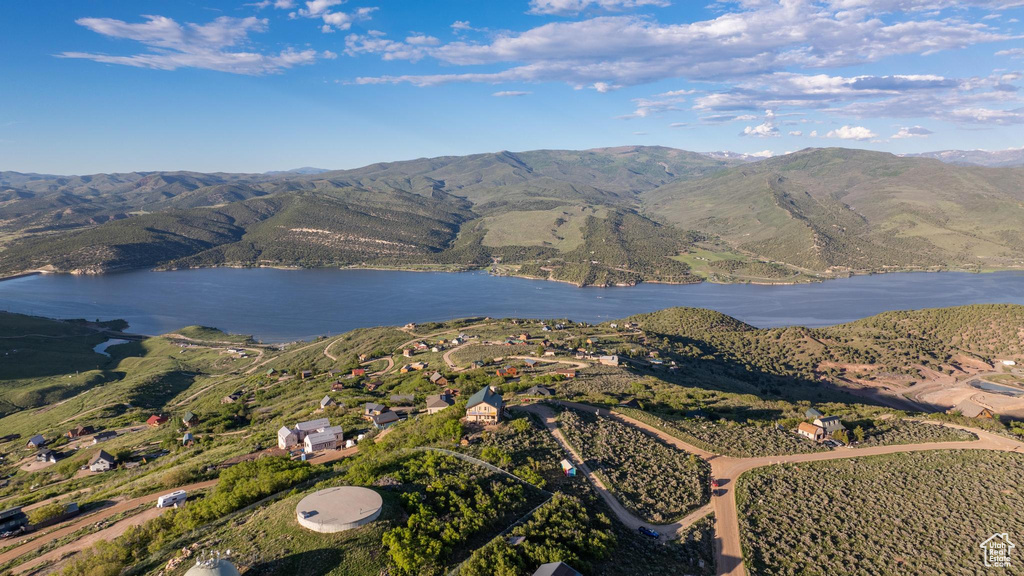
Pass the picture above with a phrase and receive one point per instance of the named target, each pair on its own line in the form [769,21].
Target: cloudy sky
[277,84]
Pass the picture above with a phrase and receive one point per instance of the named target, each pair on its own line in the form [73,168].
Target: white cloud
[333,20]
[796,133]
[571,7]
[678,125]
[511,93]
[765,129]
[753,38]
[211,46]
[912,132]
[1012,53]
[762,154]
[851,133]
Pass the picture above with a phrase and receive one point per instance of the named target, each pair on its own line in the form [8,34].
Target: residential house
[46,456]
[538,391]
[189,419]
[288,437]
[612,360]
[567,373]
[357,372]
[477,364]
[567,468]
[550,352]
[530,362]
[812,413]
[421,346]
[231,398]
[36,442]
[507,371]
[631,403]
[438,379]
[79,431]
[306,374]
[373,385]
[811,431]
[188,439]
[156,420]
[439,402]
[102,462]
[371,409]
[327,438]
[384,419]
[337,386]
[326,402]
[104,436]
[486,406]
[830,424]
[556,569]
[407,353]
[970,409]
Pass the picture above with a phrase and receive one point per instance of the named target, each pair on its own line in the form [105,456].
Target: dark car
[648,532]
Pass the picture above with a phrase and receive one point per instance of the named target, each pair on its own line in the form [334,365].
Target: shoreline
[462,269]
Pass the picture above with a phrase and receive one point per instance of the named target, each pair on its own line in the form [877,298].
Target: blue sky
[254,86]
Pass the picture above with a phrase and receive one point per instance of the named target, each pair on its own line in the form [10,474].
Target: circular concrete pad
[340,508]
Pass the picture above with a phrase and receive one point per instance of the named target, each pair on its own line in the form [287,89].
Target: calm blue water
[286,305]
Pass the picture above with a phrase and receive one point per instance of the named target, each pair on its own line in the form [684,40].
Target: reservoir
[287,305]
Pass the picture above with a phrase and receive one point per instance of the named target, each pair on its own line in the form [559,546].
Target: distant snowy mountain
[303,170]
[1009,157]
[726,155]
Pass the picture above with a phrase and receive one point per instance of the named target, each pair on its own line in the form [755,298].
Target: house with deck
[327,438]
[970,409]
[288,437]
[486,406]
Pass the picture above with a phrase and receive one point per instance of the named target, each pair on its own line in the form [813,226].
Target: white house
[288,437]
[829,424]
[102,462]
[328,438]
[811,431]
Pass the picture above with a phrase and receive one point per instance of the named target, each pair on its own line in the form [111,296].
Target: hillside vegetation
[604,216]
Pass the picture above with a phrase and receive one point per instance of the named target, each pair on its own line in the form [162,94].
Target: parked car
[648,532]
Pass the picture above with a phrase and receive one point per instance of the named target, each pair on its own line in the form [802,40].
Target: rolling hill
[836,209]
[603,216]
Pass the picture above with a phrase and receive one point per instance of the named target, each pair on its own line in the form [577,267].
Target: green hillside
[836,209]
[604,216]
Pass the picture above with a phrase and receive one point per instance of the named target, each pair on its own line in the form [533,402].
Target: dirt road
[88,520]
[547,415]
[727,470]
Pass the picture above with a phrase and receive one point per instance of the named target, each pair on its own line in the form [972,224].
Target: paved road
[727,470]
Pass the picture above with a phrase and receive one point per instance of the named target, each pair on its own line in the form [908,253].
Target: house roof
[385,418]
[809,428]
[101,455]
[539,391]
[486,396]
[373,406]
[436,376]
[284,430]
[439,401]
[403,397]
[813,413]
[37,440]
[329,434]
[156,419]
[313,424]
[188,417]
[556,569]
[327,400]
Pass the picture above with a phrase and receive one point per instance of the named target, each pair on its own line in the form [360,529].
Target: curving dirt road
[547,415]
[727,470]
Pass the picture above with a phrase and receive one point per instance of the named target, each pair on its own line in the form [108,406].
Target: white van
[171,500]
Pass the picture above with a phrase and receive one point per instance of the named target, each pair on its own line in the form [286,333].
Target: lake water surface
[285,305]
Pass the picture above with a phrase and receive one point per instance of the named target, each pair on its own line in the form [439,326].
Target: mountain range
[604,216]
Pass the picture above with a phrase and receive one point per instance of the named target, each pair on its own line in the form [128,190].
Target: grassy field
[559,228]
[921,513]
